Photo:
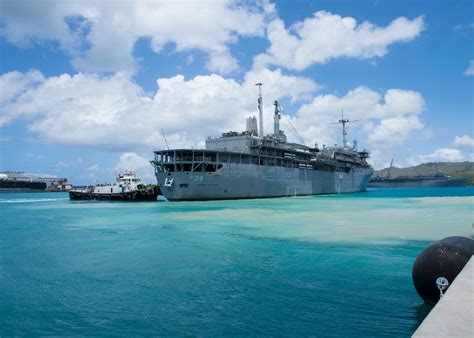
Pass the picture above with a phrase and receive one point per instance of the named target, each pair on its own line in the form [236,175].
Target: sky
[87,88]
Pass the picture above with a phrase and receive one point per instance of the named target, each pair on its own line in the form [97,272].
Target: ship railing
[180,160]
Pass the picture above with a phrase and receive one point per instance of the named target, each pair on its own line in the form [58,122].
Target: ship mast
[276,119]
[260,109]
[344,121]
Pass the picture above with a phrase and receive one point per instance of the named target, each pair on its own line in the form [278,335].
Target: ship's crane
[390,169]
[279,112]
[292,129]
[164,136]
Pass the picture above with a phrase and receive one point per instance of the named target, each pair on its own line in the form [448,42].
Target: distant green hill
[452,169]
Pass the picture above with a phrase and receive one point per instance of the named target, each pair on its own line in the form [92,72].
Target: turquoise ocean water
[319,265]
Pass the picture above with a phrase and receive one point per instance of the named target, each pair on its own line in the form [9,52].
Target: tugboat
[128,187]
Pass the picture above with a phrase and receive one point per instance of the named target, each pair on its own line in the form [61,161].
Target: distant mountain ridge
[452,169]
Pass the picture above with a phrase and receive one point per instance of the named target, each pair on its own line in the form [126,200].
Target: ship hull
[239,181]
[137,195]
[21,186]
[418,183]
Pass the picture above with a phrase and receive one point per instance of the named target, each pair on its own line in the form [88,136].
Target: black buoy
[445,258]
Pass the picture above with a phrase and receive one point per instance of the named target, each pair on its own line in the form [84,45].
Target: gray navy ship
[437,180]
[251,164]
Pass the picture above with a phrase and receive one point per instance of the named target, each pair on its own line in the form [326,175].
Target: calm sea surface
[322,265]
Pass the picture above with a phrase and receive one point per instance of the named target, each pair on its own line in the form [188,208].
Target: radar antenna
[344,121]
[260,108]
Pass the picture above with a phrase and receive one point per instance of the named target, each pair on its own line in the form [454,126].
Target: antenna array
[344,121]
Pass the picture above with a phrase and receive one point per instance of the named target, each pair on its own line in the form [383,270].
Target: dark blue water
[324,265]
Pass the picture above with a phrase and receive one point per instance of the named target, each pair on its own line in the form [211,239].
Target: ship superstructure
[251,165]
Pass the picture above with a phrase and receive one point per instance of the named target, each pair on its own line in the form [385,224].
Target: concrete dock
[453,315]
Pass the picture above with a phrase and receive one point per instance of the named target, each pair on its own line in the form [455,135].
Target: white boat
[128,187]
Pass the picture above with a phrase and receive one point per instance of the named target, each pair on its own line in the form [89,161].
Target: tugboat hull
[138,195]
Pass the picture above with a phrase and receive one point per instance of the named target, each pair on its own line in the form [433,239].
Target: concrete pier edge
[453,315]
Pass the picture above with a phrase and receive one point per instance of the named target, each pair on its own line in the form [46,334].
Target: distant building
[52,182]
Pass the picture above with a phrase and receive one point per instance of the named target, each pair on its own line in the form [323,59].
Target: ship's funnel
[251,125]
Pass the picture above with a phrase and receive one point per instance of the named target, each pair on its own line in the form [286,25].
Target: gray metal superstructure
[246,165]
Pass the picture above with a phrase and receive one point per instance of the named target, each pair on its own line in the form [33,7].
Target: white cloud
[28,21]
[394,131]
[470,69]
[67,108]
[439,155]
[380,158]
[139,165]
[93,168]
[221,62]
[326,36]
[93,172]
[463,141]
[12,84]
[34,156]
[100,35]
[458,27]
[61,165]
[463,152]
[113,112]
[386,120]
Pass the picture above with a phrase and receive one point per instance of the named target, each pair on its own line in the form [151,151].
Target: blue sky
[86,86]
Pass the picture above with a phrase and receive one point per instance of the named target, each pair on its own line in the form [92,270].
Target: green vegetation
[452,169]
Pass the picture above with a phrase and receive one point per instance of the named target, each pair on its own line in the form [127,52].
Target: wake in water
[32,200]
[443,199]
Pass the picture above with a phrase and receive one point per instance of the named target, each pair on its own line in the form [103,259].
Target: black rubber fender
[445,258]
